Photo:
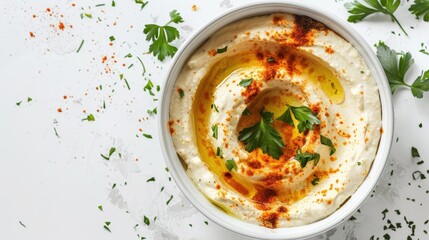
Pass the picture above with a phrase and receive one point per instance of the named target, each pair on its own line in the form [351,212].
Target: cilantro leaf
[222,50]
[395,71]
[419,8]
[264,136]
[162,36]
[230,164]
[360,11]
[326,141]
[304,158]
[303,114]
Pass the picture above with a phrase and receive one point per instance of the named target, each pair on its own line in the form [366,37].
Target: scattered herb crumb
[146,220]
[152,179]
[100,208]
[111,151]
[169,200]
[89,118]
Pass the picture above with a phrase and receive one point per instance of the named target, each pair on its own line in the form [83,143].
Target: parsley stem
[396,20]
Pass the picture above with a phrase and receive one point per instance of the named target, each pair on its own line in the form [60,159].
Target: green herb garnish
[326,141]
[219,152]
[147,135]
[169,200]
[181,93]
[144,68]
[152,179]
[80,46]
[419,8]
[112,38]
[106,226]
[143,4]
[213,106]
[29,99]
[146,220]
[113,4]
[100,208]
[246,82]
[149,87]
[152,112]
[303,114]
[304,158]
[222,50]
[230,164]
[162,36]
[359,11]
[414,152]
[215,131]
[315,181]
[264,136]
[89,118]
[395,70]
[111,151]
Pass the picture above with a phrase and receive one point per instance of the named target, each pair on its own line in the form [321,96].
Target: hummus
[284,60]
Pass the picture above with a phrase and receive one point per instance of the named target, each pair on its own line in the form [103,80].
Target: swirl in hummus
[291,61]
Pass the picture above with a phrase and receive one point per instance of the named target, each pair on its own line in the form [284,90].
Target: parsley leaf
[264,136]
[246,82]
[326,141]
[304,158]
[419,8]
[360,11]
[395,71]
[230,164]
[215,131]
[303,114]
[162,36]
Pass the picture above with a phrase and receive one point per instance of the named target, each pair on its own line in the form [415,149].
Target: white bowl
[185,183]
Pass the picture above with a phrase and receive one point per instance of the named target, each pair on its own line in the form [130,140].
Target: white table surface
[51,186]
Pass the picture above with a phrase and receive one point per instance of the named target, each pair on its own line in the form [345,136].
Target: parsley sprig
[419,8]
[360,11]
[303,114]
[395,70]
[162,36]
[264,136]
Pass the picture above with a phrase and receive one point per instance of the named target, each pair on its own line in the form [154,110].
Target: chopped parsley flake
[245,82]
[111,151]
[315,181]
[181,93]
[89,118]
[100,208]
[152,179]
[169,200]
[215,131]
[146,220]
[222,50]
[147,135]
[230,164]
[304,158]
[414,152]
[112,38]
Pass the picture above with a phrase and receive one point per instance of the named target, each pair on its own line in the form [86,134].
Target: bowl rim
[186,185]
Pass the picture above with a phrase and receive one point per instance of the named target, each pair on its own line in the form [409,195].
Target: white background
[53,184]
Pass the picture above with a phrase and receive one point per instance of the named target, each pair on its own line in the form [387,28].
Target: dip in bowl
[276,120]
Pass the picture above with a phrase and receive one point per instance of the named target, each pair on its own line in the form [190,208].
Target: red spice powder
[59,110]
[104,59]
[61,26]
[32,35]
[48,9]
[270,220]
